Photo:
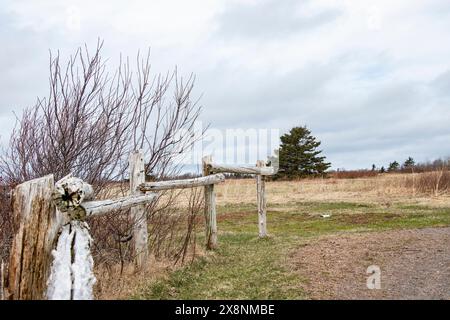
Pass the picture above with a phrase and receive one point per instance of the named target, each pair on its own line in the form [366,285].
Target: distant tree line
[407,166]
[410,165]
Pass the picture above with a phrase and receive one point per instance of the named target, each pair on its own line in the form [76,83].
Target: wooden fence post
[138,214]
[261,199]
[37,224]
[210,208]
[2,280]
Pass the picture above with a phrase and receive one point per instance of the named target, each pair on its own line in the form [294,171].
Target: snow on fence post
[210,207]
[72,271]
[138,214]
[37,224]
[261,199]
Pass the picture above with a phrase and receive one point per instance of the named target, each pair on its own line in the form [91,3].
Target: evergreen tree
[382,170]
[374,167]
[409,163]
[298,154]
[393,166]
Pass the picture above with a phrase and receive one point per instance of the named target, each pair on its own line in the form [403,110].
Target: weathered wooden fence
[260,170]
[42,207]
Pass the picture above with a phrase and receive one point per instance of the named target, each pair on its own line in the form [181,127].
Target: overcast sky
[371,79]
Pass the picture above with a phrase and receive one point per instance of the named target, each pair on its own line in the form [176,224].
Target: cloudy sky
[371,79]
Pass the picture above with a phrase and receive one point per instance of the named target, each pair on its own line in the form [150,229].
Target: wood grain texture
[182,184]
[261,201]
[37,223]
[210,207]
[2,280]
[91,208]
[138,214]
[216,168]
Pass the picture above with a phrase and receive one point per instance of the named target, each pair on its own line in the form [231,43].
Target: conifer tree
[393,166]
[299,155]
[409,163]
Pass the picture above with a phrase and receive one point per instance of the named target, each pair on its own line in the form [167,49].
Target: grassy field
[245,267]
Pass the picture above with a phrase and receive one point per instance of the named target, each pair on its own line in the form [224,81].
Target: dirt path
[414,264]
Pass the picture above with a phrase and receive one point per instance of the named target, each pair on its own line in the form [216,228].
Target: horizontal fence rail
[182,184]
[264,171]
[99,207]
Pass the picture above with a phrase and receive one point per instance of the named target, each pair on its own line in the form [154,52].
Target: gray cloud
[271,18]
[442,84]
[387,121]
[369,96]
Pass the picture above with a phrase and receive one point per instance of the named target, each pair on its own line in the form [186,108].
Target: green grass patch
[245,267]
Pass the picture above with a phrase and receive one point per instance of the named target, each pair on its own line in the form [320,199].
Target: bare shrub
[172,232]
[6,222]
[434,183]
[91,120]
[172,241]
[352,174]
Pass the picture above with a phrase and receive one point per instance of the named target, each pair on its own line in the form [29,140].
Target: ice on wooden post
[72,276]
[83,263]
[59,285]
[72,271]
[261,199]
[210,208]
[140,230]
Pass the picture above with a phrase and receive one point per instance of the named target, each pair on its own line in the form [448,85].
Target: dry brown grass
[112,283]
[385,188]
[353,174]
[417,188]
[116,284]
[172,223]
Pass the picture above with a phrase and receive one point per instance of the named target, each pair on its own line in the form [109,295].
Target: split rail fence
[42,207]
